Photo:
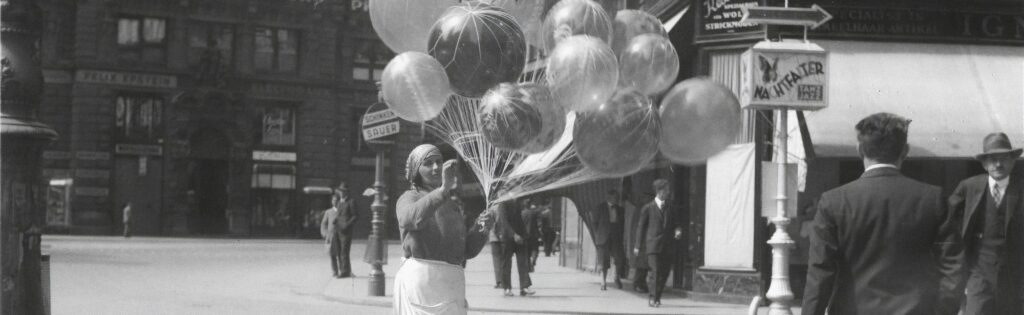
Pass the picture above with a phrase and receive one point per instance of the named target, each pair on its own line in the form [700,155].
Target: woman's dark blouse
[432,227]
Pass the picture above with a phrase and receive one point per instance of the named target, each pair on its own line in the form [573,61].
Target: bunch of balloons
[609,71]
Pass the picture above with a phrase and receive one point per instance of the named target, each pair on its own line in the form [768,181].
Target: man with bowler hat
[336,227]
[884,243]
[992,226]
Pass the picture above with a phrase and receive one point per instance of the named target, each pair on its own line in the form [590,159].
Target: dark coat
[605,231]
[509,222]
[883,244]
[347,216]
[966,202]
[656,228]
[531,222]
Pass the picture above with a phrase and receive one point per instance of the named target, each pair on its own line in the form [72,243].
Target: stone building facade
[209,117]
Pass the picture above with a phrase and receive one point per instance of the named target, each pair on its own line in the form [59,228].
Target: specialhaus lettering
[126,78]
[984,23]
[791,79]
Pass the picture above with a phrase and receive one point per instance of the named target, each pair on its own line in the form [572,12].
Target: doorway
[208,196]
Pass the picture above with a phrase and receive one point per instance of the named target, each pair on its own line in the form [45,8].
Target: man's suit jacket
[531,222]
[656,229]
[967,203]
[509,222]
[883,244]
[604,229]
[339,220]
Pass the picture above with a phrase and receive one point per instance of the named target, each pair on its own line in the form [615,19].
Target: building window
[210,43]
[279,126]
[277,50]
[273,176]
[371,56]
[139,118]
[142,39]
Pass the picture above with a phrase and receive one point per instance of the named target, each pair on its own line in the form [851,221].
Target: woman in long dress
[435,239]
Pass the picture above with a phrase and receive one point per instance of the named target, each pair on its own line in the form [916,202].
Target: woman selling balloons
[603,103]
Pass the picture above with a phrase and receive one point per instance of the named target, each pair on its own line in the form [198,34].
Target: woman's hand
[486,220]
[450,175]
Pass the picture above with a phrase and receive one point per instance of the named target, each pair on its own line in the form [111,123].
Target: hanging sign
[787,74]
[380,125]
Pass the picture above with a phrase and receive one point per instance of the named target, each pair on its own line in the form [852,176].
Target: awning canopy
[954,95]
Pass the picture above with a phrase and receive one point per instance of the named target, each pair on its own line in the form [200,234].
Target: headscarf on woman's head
[416,158]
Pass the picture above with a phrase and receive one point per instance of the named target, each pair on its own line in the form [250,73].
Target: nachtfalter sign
[787,74]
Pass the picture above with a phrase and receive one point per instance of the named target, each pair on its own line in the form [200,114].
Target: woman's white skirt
[425,287]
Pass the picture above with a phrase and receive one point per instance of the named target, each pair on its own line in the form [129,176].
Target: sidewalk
[560,290]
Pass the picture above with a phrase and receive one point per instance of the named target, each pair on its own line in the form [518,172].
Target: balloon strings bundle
[505,174]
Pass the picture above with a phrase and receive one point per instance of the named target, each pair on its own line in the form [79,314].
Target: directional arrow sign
[814,16]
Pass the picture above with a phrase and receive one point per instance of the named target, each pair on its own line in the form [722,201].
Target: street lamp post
[380,126]
[23,210]
[376,241]
[779,292]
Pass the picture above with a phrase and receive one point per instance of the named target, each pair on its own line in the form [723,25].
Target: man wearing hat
[336,228]
[992,211]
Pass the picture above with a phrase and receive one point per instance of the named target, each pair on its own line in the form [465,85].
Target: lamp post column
[23,210]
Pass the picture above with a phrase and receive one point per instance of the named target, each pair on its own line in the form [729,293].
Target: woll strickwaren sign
[791,74]
[380,125]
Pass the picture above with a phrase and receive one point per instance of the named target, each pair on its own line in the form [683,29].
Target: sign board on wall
[792,74]
[719,20]
[990,22]
[126,78]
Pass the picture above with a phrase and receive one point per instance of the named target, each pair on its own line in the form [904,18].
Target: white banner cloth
[729,215]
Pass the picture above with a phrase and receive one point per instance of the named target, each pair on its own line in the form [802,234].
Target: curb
[386,302]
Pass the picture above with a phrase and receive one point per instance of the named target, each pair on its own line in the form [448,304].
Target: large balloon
[582,73]
[649,63]
[415,86]
[632,23]
[527,12]
[575,17]
[480,46]
[619,137]
[699,118]
[553,124]
[403,25]
[508,117]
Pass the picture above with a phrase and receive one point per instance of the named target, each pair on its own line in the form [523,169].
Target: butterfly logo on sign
[769,71]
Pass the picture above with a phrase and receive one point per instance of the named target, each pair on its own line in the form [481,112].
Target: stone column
[22,139]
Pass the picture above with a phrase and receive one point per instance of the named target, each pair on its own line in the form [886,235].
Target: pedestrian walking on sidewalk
[884,243]
[512,232]
[336,227]
[531,220]
[126,218]
[608,229]
[991,211]
[497,254]
[435,240]
[656,228]
[547,229]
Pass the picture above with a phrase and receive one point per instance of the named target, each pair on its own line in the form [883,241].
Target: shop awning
[954,95]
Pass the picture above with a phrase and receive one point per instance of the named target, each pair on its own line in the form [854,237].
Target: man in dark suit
[992,227]
[608,218]
[656,223]
[531,220]
[512,232]
[884,243]
[337,227]
[547,227]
